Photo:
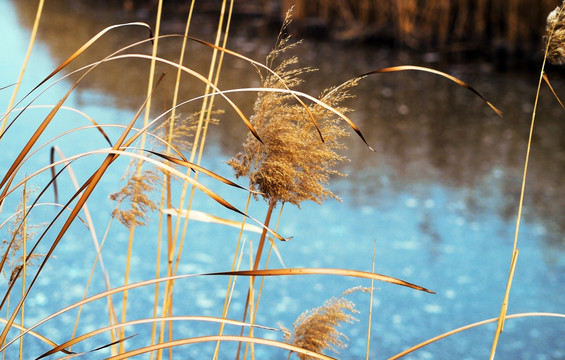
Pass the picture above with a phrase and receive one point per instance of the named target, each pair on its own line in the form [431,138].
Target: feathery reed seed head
[292,164]
[316,330]
[555,34]
[136,193]
[21,230]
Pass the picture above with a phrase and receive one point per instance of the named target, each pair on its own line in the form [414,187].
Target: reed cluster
[289,156]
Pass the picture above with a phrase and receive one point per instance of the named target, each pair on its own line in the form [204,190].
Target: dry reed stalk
[554,50]
[173,130]
[371,304]
[138,167]
[166,184]
[197,148]
[231,281]
[24,65]
[24,263]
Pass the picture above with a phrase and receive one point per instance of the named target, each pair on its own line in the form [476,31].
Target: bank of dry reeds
[498,27]
[512,25]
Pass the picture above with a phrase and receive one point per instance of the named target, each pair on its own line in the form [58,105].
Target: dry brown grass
[292,164]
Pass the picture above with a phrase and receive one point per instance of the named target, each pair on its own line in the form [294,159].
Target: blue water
[450,234]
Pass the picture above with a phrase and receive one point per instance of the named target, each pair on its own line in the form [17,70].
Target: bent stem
[272,204]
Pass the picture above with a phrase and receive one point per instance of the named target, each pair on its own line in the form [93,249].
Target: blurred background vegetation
[496,28]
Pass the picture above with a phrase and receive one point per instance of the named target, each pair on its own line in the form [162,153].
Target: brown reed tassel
[555,34]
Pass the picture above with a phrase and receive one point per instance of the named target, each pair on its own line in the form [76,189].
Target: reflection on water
[439,195]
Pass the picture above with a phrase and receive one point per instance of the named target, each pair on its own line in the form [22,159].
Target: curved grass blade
[323,271]
[110,344]
[294,93]
[98,297]
[437,72]
[202,188]
[198,76]
[99,127]
[91,334]
[215,338]
[23,68]
[204,217]
[198,168]
[258,64]
[7,86]
[38,336]
[470,326]
[69,60]
[266,272]
[299,94]
[27,147]
[87,45]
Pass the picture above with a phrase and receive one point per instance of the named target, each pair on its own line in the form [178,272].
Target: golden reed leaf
[324,271]
[437,72]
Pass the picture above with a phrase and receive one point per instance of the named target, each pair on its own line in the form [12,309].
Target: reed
[289,156]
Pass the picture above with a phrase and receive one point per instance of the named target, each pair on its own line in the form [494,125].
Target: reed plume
[292,164]
[135,192]
[20,231]
[555,35]
[316,330]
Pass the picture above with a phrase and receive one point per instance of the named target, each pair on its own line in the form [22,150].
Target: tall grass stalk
[24,261]
[166,187]
[197,148]
[371,304]
[24,65]
[139,164]
[558,22]
[254,310]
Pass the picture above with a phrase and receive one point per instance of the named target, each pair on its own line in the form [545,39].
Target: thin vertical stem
[232,279]
[371,303]
[24,262]
[502,316]
[198,138]
[272,204]
[139,164]
[260,291]
[28,53]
